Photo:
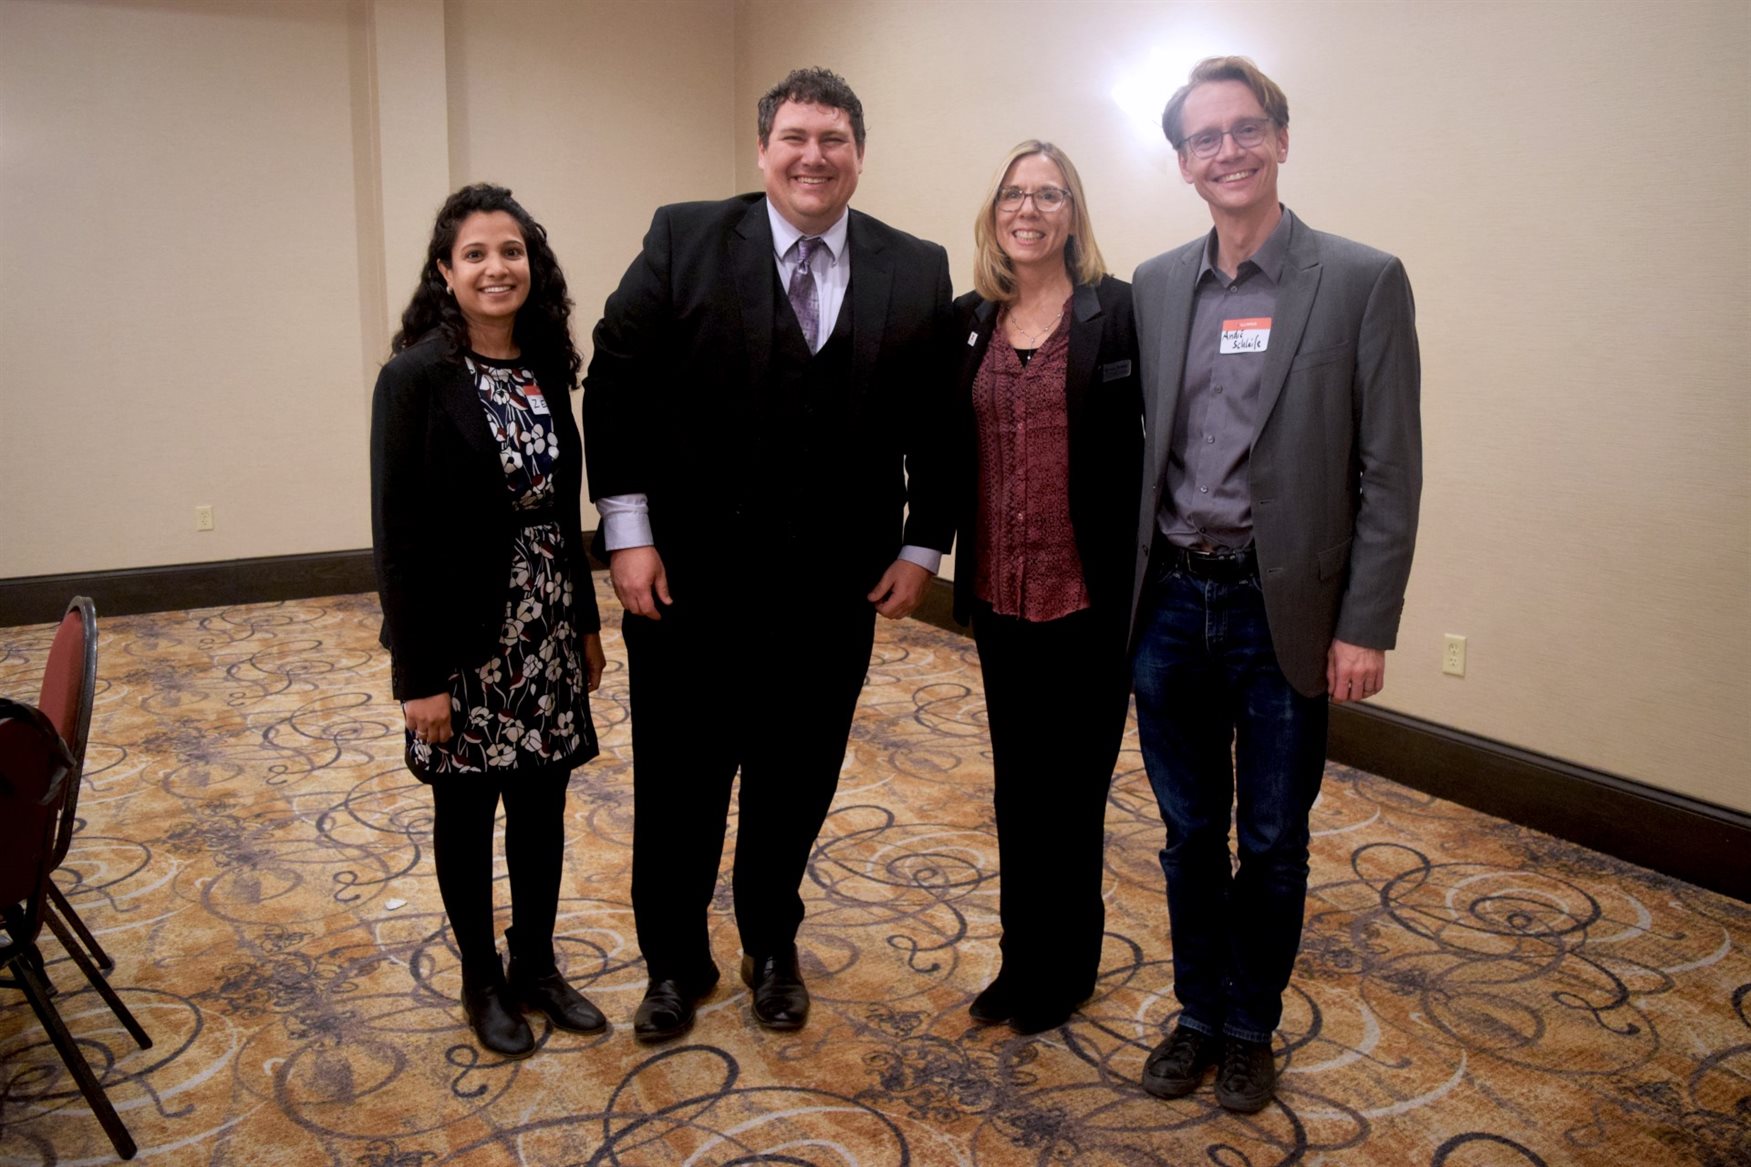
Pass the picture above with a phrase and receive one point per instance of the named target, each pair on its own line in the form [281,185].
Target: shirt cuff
[626,521]
[929,558]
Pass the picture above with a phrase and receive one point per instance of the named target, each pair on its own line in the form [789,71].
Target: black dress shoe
[1177,1065]
[667,1008]
[493,1014]
[1248,1078]
[781,1000]
[994,1005]
[550,994]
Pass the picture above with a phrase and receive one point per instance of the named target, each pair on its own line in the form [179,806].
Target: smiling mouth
[1029,236]
[1237,176]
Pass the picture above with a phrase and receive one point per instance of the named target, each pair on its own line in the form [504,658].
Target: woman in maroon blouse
[1050,426]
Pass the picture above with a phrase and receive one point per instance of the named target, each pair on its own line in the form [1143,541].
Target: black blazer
[1103,393]
[678,390]
[442,520]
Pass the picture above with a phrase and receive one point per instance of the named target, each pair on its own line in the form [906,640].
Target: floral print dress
[528,705]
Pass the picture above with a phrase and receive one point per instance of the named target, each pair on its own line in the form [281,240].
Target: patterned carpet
[1470,994]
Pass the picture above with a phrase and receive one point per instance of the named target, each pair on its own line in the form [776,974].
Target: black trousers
[464,807]
[710,696]
[1055,696]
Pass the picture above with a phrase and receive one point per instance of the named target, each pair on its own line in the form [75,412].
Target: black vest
[806,411]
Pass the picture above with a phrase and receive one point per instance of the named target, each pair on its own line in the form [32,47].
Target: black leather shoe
[667,1008]
[1248,1078]
[1177,1065]
[994,1005]
[550,994]
[781,1000]
[493,1014]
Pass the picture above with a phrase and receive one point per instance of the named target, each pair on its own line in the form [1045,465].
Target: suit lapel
[460,401]
[1301,270]
[1085,330]
[1170,358]
[872,277]
[755,273]
[973,354]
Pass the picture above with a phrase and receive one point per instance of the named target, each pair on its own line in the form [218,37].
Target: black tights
[464,806]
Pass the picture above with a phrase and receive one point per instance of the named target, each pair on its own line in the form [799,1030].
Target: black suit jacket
[442,520]
[678,396]
[1103,396]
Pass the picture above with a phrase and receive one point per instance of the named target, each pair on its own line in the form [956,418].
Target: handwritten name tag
[537,402]
[1249,335]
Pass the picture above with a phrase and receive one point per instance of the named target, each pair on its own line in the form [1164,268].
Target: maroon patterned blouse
[1028,564]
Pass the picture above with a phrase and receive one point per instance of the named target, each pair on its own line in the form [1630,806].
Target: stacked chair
[42,759]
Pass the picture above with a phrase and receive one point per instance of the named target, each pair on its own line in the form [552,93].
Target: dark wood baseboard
[40,599]
[1682,837]
[1675,835]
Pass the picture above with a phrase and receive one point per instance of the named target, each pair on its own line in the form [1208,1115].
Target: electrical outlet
[1453,655]
[203,518]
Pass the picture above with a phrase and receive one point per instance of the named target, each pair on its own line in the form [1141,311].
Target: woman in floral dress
[489,614]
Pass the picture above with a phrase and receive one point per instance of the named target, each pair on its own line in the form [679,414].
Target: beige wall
[211,212]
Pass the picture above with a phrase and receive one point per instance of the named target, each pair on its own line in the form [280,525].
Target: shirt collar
[784,235]
[1268,258]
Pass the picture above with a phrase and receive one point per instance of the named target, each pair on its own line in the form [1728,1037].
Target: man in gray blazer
[1283,464]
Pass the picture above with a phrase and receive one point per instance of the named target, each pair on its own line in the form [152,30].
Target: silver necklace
[1034,338]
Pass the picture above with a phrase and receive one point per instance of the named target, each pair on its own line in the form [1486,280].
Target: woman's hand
[429,717]
[595,660]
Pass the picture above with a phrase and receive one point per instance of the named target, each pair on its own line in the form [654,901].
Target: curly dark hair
[811,87]
[543,326]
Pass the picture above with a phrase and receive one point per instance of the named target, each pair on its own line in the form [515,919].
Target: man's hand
[595,661]
[1354,673]
[428,718]
[640,581]
[900,590]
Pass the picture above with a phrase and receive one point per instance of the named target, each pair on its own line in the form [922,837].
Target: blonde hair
[993,274]
[1241,69]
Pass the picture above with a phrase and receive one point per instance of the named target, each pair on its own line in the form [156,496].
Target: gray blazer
[1336,465]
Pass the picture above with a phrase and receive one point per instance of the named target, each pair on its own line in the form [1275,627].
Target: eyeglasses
[1046,200]
[1246,135]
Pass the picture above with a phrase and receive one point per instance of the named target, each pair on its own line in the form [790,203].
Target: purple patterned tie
[803,300]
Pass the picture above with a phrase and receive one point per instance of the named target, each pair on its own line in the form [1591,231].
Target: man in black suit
[764,417]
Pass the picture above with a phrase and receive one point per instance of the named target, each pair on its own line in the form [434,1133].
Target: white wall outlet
[1453,655]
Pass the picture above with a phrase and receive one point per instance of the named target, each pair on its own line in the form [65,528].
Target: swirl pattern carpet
[256,859]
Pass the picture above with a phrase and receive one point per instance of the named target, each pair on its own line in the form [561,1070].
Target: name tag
[973,338]
[1115,370]
[537,402]
[1251,334]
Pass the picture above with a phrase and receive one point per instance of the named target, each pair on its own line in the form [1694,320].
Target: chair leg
[75,1061]
[122,1012]
[59,902]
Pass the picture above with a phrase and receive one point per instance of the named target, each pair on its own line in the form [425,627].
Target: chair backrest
[69,685]
[35,765]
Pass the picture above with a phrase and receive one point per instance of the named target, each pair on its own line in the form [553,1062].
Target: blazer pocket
[1319,356]
[1334,561]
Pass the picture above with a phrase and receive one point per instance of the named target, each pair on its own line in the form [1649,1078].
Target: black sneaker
[1248,1077]
[1176,1067]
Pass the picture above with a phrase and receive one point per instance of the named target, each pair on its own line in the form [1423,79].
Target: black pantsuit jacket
[442,519]
[1103,397]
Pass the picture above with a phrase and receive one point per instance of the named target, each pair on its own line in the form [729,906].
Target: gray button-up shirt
[1208,500]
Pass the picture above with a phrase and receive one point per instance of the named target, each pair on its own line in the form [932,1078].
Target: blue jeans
[1207,680]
